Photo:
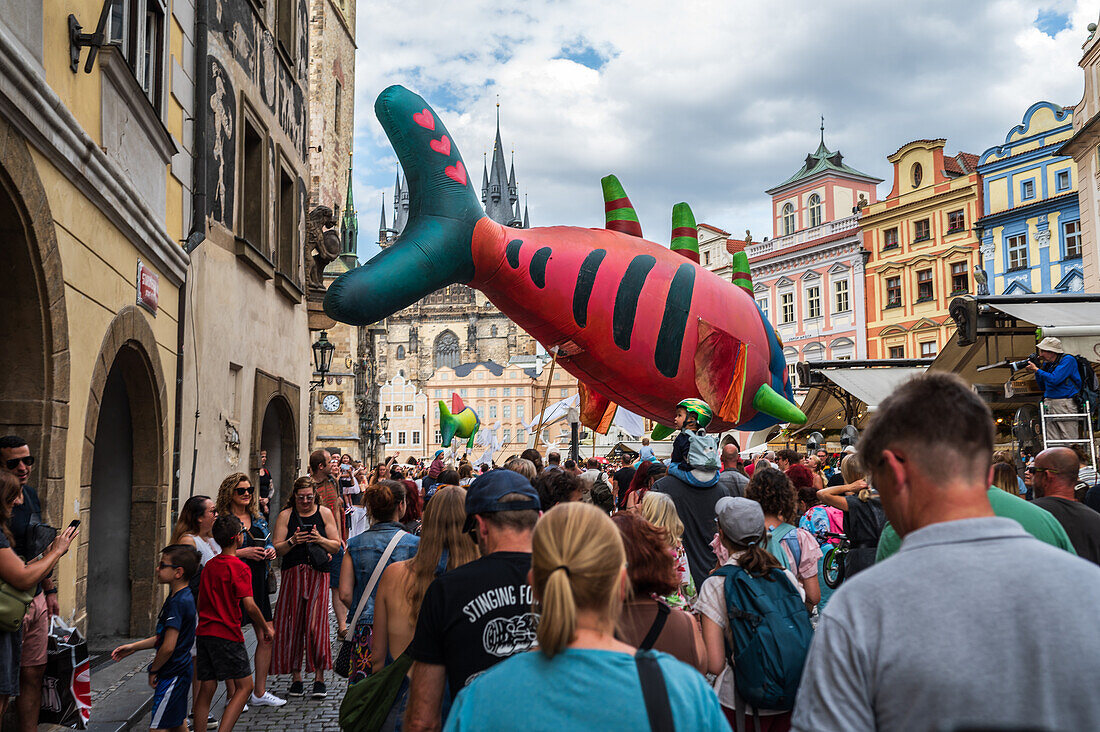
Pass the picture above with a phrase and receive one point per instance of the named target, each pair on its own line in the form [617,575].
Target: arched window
[918,175]
[401,352]
[447,352]
[788,219]
[814,205]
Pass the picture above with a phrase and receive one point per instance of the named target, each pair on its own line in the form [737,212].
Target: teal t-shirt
[580,689]
[1037,522]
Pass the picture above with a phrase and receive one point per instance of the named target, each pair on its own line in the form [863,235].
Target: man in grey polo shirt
[944,635]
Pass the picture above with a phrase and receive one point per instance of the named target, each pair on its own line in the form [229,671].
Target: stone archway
[124,481]
[275,420]
[34,377]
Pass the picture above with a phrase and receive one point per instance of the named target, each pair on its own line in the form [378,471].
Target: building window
[706,259]
[507,414]
[890,238]
[409,407]
[762,303]
[416,437]
[252,186]
[1062,181]
[507,391]
[788,219]
[438,438]
[1072,232]
[521,435]
[137,28]
[928,349]
[336,109]
[492,411]
[389,438]
[481,392]
[493,332]
[462,392]
[519,412]
[438,393]
[285,13]
[897,351]
[492,392]
[562,393]
[481,374]
[840,296]
[519,391]
[893,292]
[401,352]
[814,205]
[813,302]
[918,175]
[287,222]
[960,279]
[786,303]
[956,221]
[1017,252]
[507,435]
[792,374]
[924,285]
[921,230]
[447,352]
[1027,189]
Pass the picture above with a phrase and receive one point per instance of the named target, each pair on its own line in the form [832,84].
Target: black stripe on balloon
[511,253]
[538,267]
[626,299]
[670,339]
[585,280]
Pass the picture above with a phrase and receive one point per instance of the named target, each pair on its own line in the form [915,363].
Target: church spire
[526,218]
[349,231]
[499,205]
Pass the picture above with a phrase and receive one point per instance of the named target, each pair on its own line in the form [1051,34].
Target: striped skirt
[301,622]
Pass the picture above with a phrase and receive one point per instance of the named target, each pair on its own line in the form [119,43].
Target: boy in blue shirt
[170,671]
[693,415]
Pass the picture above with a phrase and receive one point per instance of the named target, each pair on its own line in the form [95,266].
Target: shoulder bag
[342,664]
[654,692]
[13,606]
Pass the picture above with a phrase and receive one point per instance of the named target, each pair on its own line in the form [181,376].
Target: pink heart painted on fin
[441,146]
[456,172]
[425,119]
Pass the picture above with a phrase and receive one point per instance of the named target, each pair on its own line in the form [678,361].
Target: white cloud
[709,102]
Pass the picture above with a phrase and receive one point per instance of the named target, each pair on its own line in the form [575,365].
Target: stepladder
[1081,419]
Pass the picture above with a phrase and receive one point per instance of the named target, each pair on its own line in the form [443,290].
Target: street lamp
[322,358]
[385,426]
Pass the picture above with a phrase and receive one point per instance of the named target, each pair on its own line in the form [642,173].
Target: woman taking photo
[659,510]
[648,621]
[193,527]
[236,497]
[578,577]
[21,576]
[864,517]
[302,533]
[386,502]
[401,590]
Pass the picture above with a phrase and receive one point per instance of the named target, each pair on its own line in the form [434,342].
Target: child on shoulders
[694,453]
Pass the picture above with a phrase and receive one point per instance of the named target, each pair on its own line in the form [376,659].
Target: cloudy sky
[708,102]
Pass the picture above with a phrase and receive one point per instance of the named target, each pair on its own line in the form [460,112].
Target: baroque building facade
[808,278]
[1031,227]
[455,325]
[1084,148]
[922,249]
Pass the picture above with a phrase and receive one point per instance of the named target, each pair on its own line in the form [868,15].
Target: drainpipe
[194,239]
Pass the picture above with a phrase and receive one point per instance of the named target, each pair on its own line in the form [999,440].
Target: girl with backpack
[755,627]
[794,548]
[864,517]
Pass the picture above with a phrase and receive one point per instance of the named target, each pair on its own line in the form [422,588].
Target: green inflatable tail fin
[434,249]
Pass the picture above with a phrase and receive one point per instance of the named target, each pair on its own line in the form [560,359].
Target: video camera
[1022,363]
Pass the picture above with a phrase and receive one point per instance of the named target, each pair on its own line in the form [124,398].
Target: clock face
[330,403]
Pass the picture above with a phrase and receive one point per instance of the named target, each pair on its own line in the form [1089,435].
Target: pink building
[808,278]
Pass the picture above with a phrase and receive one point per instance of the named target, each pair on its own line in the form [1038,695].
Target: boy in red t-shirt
[225,587]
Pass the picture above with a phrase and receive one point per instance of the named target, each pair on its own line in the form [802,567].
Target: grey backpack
[702,451]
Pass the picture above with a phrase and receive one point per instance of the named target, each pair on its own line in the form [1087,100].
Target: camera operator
[1061,384]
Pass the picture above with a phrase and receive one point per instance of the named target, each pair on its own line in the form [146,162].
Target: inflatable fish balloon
[638,324]
[458,421]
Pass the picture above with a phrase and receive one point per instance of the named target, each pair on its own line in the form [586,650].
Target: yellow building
[922,249]
[94,174]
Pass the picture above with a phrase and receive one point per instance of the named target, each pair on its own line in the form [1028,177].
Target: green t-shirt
[1039,523]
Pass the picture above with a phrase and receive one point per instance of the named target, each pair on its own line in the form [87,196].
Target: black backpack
[1090,388]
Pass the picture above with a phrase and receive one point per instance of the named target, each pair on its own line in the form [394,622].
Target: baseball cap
[741,519]
[484,494]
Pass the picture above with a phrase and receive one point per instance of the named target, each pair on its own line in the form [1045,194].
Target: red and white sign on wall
[148,288]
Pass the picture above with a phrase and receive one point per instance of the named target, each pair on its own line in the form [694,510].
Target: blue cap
[484,494]
[438,453]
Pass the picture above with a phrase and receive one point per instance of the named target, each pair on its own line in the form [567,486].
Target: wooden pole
[546,397]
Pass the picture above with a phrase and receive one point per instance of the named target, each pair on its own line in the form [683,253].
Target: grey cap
[741,520]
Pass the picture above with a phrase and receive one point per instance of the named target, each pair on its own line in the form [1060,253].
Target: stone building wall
[331,99]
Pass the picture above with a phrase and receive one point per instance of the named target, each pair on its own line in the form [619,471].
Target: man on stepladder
[1061,384]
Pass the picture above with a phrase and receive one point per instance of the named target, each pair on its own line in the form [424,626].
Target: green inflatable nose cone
[774,404]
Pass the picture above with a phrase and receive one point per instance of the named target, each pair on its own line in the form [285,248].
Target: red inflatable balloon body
[640,325]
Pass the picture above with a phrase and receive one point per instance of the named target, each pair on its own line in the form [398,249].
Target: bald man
[731,479]
[1054,482]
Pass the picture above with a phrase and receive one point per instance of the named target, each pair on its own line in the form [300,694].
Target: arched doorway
[126,479]
[34,368]
[277,437]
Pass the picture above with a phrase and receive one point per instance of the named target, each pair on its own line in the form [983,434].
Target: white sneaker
[267,700]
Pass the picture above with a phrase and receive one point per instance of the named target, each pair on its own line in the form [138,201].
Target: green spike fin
[742,276]
[685,233]
[774,404]
[661,432]
[619,213]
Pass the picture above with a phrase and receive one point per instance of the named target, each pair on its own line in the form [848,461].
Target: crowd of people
[688,592]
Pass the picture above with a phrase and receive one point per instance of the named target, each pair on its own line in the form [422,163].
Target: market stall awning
[871,385]
[840,394]
[1077,325]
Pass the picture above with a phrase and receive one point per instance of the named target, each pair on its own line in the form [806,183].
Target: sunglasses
[243,491]
[1045,470]
[14,462]
[305,498]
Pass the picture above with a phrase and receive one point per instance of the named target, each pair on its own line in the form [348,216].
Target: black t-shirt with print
[475,616]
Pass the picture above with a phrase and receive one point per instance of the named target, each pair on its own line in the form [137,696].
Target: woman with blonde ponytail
[578,578]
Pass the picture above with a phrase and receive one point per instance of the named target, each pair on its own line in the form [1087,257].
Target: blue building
[1030,232]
